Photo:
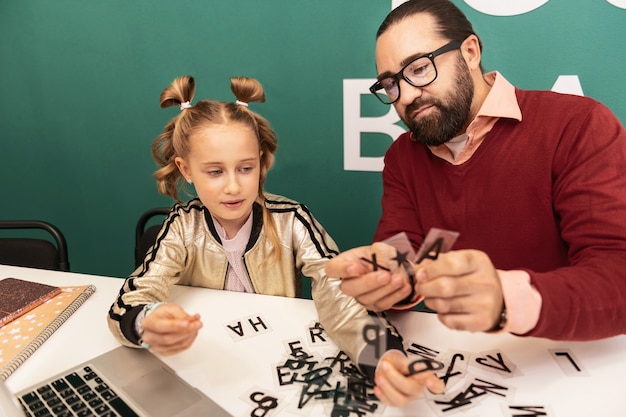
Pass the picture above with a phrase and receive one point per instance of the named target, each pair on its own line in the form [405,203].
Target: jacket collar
[257,225]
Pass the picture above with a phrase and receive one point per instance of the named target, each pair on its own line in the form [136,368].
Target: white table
[230,368]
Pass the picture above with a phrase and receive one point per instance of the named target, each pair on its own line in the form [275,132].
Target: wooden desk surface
[245,352]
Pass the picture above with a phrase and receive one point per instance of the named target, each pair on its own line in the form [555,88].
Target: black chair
[34,252]
[146,236]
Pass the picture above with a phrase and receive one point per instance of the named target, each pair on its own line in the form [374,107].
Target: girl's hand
[168,329]
[396,386]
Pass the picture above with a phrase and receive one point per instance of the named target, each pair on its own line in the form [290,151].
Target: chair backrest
[34,252]
[145,237]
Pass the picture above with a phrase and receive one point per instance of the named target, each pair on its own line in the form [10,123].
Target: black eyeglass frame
[377,86]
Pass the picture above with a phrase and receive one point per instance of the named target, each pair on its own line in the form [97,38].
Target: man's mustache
[417,105]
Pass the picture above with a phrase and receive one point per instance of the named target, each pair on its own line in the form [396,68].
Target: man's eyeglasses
[419,73]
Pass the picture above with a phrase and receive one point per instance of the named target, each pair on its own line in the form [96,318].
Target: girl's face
[224,166]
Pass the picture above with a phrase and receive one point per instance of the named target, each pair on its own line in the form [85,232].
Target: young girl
[233,236]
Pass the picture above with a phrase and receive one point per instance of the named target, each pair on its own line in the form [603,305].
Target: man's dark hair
[453,24]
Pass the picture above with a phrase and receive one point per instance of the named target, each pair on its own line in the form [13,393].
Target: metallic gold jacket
[188,251]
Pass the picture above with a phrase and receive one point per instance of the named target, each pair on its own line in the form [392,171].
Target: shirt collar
[501,101]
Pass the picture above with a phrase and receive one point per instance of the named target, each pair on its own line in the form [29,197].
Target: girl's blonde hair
[174,141]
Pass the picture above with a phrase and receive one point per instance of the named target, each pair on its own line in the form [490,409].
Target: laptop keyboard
[81,393]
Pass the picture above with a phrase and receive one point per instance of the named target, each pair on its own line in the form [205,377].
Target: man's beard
[450,115]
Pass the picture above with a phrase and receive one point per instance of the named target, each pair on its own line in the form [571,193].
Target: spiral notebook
[23,335]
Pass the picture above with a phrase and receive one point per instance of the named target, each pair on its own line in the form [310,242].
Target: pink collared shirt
[237,278]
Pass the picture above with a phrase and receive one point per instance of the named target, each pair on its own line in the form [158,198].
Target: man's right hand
[364,277]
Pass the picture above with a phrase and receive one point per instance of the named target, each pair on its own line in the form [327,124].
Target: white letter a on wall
[568,84]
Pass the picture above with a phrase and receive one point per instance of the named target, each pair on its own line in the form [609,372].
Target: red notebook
[18,297]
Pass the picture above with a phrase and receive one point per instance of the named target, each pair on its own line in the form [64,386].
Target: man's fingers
[365,284]
[348,264]
[382,302]
[358,261]
[377,290]
[463,288]
[459,314]
[454,263]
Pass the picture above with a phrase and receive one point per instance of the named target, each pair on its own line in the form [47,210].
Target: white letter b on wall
[354,125]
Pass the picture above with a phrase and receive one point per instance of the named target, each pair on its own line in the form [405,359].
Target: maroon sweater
[546,195]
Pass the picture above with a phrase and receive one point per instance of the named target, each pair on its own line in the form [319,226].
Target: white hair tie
[241,103]
[185,105]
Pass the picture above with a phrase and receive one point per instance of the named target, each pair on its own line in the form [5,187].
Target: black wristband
[501,321]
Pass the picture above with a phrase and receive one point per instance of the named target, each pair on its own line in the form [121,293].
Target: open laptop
[123,382]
